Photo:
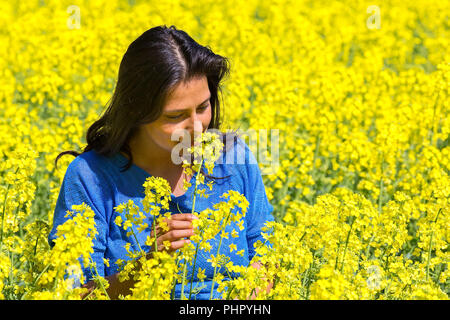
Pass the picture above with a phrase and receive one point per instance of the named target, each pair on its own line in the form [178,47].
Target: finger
[179,224]
[174,235]
[178,244]
[183,216]
[174,223]
[171,225]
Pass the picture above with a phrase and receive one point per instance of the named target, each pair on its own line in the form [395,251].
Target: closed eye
[204,107]
[174,117]
[178,116]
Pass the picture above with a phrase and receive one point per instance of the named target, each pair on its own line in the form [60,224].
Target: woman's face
[187,110]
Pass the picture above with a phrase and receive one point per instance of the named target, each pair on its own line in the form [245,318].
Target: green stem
[429,246]
[368,246]
[337,255]
[215,270]
[39,276]
[88,295]
[194,195]
[137,242]
[174,282]
[99,281]
[3,216]
[34,252]
[11,270]
[193,270]
[154,234]
[380,196]
[183,297]
[230,291]
[217,255]
[35,281]
[195,189]
[346,244]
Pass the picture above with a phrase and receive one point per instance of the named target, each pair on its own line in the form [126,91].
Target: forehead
[188,94]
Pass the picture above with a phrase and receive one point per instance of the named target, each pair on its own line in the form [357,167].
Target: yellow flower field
[359,91]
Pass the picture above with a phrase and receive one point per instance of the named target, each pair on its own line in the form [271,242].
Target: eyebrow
[180,110]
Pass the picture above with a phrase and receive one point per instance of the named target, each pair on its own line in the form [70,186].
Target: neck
[152,158]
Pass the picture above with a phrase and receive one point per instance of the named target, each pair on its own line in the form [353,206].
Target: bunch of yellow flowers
[358,93]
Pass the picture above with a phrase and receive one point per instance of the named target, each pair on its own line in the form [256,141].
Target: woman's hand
[179,227]
[177,230]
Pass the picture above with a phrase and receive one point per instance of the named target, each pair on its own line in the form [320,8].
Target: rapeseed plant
[362,188]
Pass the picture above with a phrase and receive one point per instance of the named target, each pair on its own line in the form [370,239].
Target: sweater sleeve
[81,184]
[259,210]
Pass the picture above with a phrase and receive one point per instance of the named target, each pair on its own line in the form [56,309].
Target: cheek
[170,134]
[161,134]
[206,118]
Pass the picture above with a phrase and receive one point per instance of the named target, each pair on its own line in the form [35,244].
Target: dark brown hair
[152,66]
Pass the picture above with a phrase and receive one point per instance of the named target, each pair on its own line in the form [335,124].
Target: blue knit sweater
[97,181]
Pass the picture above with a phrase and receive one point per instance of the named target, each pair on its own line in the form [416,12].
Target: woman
[167,83]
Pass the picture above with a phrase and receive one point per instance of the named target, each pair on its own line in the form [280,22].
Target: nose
[197,130]
[195,127]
